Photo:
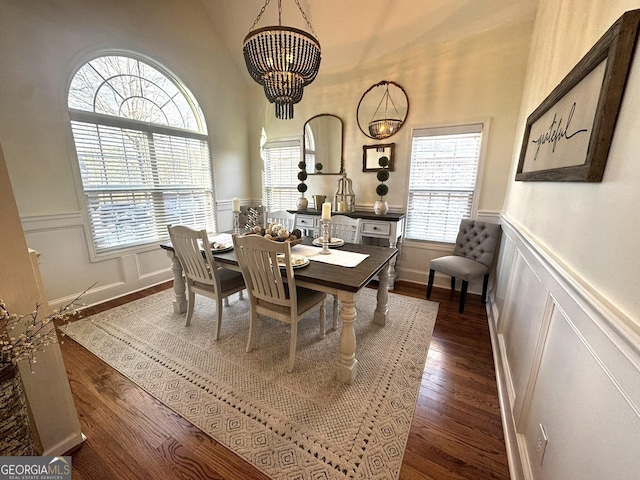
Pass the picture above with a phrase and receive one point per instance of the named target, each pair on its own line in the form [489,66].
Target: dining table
[325,275]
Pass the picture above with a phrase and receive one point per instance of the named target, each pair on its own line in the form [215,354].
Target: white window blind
[142,165]
[442,181]
[280,175]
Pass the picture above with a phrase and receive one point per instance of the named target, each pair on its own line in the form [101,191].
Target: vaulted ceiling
[355,32]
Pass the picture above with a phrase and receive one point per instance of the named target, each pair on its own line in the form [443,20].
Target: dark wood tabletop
[350,279]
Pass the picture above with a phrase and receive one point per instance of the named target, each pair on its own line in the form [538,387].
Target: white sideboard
[376,229]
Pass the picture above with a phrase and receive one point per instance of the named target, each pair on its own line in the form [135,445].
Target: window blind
[280,175]
[442,181]
[137,181]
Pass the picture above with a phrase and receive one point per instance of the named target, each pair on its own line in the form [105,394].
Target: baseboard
[514,458]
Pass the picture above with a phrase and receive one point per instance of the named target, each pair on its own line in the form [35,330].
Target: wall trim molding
[599,327]
[575,287]
[41,223]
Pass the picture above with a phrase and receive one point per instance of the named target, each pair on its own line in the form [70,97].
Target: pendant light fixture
[283,60]
[385,126]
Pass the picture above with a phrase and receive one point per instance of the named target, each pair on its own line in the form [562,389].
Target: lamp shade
[283,60]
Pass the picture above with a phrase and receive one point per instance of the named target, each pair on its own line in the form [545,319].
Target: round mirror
[323,135]
[382,110]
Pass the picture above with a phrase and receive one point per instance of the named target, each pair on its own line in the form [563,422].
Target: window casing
[143,153]
[442,181]
[280,174]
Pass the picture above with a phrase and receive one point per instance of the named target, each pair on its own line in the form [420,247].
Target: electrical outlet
[541,443]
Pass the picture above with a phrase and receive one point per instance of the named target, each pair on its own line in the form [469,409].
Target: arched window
[143,152]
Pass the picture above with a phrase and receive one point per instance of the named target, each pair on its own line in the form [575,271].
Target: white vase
[380,207]
[302,203]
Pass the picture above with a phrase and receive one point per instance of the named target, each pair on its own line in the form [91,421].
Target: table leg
[382,309]
[179,287]
[392,266]
[348,365]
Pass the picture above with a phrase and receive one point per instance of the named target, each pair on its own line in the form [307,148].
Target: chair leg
[485,283]
[253,325]
[216,331]
[336,312]
[432,274]
[463,294]
[453,284]
[191,300]
[292,345]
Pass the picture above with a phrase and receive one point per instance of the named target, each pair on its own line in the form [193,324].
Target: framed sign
[372,153]
[567,138]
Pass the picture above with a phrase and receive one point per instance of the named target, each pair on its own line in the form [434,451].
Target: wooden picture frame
[371,154]
[567,138]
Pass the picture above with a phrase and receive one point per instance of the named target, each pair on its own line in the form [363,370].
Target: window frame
[291,142]
[484,141]
[123,122]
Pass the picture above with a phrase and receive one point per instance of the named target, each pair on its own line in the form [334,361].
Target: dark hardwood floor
[456,431]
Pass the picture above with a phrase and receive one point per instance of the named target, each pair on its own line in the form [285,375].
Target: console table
[389,227]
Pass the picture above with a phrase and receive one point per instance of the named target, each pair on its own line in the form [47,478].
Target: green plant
[383,176]
[302,176]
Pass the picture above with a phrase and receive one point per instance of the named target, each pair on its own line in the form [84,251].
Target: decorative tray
[292,240]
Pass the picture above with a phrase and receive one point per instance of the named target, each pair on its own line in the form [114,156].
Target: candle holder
[325,237]
[236,223]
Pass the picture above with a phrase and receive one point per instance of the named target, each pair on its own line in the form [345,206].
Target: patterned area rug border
[303,424]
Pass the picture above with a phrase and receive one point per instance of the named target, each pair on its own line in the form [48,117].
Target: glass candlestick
[236,223]
[325,237]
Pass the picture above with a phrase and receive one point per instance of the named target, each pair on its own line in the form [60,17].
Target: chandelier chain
[304,15]
[266,3]
[259,16]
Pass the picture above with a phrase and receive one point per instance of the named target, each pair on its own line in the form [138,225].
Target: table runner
[336,257]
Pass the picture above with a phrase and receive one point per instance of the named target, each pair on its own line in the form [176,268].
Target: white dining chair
[282,217]
[272,289]
[345,228]
[201,274]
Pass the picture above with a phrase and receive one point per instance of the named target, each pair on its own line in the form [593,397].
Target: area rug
[304,424]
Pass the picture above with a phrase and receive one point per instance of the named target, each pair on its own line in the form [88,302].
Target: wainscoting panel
[592,423]
[520,327]
[67,269]
[565,366]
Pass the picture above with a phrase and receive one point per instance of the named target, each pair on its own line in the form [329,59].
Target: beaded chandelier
[283,60]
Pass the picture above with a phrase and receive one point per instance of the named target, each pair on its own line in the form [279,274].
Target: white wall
[587,226]
[55,421]
[565,314]
[468,80]
[42,45]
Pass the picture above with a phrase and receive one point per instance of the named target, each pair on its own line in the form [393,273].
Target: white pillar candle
[326,211]
[236,205]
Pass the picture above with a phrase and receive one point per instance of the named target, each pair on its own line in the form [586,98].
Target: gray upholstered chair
[472,257]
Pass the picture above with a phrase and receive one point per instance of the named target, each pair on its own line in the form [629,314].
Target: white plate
[220,248]
[335,242]
[297,261]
